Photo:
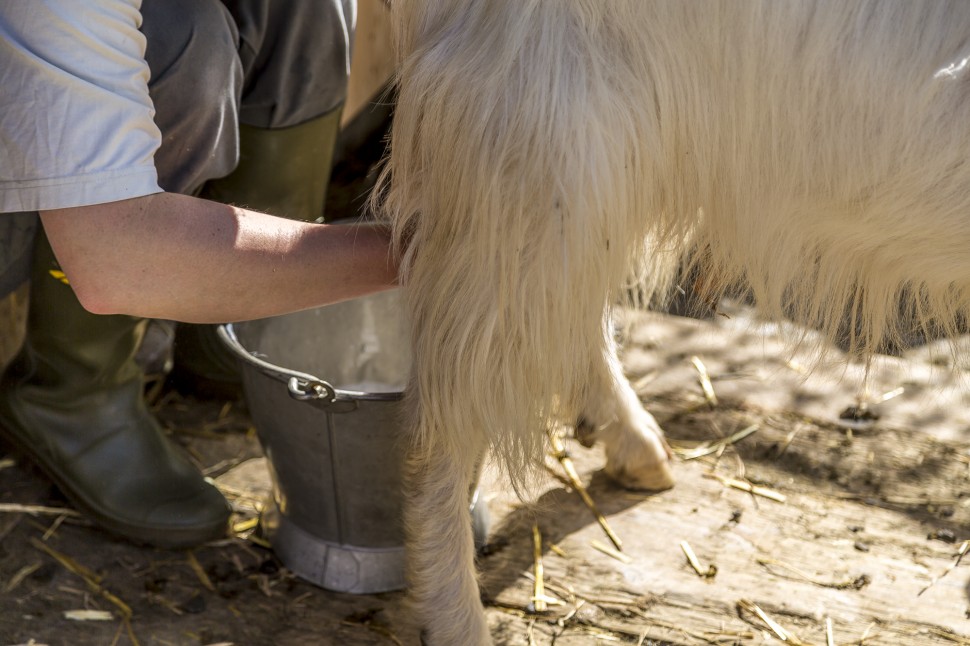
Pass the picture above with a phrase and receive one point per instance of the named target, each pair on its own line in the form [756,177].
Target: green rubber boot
[72,401]
[282,171]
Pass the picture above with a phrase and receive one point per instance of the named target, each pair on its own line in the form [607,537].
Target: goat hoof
[657,478]
[637,456]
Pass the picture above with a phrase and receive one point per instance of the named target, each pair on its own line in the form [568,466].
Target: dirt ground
[852,536]
[847,534]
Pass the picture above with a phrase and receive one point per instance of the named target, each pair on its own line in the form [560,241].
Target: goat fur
[547,154]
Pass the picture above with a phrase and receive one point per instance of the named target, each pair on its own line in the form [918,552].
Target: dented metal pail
[324,388]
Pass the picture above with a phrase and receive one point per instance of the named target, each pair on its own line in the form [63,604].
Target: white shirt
[76,121]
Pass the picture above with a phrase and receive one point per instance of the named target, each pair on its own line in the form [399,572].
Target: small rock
[269,566]
[944,535]
[194,605]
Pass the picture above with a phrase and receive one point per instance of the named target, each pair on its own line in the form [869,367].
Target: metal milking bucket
[335,446]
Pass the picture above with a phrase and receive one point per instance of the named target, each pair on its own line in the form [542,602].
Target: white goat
[544,152]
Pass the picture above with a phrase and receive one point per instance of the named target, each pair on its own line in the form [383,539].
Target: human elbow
[91,268]
[95,295]
[95,283]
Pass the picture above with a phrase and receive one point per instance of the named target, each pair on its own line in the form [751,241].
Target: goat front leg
[637,456]
[444,589]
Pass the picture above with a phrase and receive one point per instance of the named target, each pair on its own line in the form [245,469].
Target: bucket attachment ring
[307,390]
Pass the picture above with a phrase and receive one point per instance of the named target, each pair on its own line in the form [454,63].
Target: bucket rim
[300,384]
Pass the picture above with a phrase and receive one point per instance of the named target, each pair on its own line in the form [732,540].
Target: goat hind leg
[637,456]
[444,591]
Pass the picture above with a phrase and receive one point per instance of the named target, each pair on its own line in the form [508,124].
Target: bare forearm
[183,258]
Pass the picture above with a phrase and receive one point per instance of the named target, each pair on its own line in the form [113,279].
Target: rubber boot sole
[142,535]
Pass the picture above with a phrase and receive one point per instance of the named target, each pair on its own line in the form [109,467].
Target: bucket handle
[301,386]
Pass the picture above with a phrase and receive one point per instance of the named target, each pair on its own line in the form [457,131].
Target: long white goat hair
[520,213]
[543,151]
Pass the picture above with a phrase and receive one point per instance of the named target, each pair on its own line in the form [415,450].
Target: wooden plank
[814,542]
[372,62]
[868,536]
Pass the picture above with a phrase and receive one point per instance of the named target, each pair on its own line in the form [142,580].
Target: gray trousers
[216,64]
